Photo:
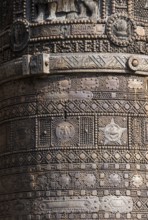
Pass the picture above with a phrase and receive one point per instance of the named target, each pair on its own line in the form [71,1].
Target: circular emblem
[137,180]
[19,35]
[64,180]
[64,84]
[114,179]
[121,29]
[133,63]
[65,131]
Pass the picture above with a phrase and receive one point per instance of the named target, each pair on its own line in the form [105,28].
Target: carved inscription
[64,133]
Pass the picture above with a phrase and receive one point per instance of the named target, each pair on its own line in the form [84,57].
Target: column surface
[73,109]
